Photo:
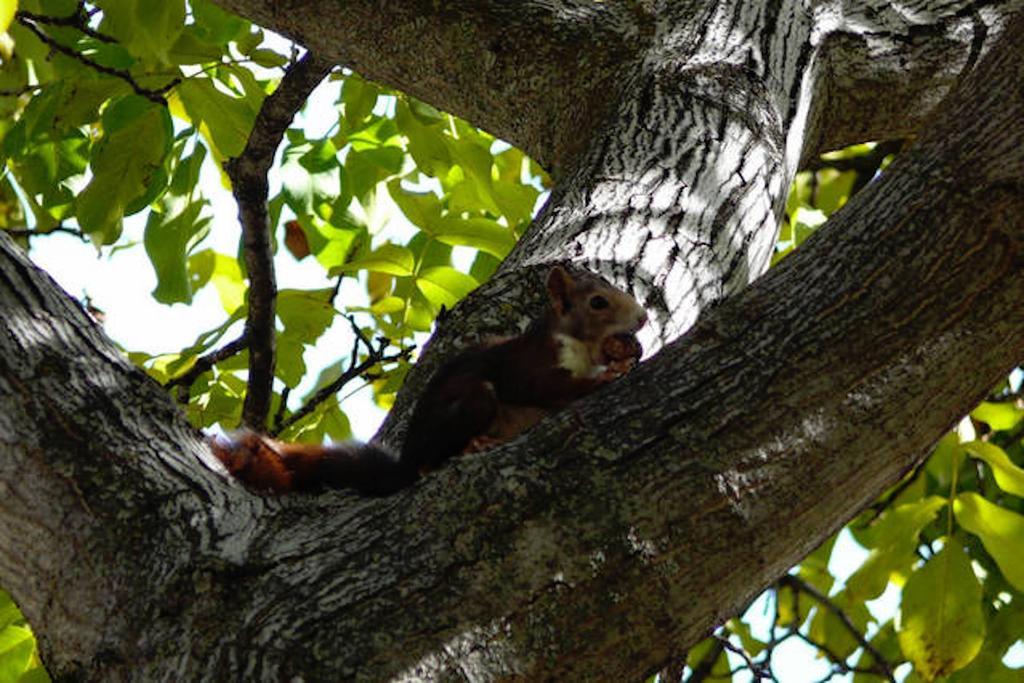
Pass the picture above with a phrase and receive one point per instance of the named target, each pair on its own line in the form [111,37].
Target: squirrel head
[590,310]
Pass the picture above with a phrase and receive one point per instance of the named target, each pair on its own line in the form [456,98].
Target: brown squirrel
[482,397]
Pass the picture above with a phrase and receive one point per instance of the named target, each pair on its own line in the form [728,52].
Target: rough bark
[541,73]
[616,533]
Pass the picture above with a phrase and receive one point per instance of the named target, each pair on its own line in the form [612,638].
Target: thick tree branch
[248,175]
[528,71]
[543,74]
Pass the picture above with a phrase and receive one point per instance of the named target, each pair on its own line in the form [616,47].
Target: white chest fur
[574,356]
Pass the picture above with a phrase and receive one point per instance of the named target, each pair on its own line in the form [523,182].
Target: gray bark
[620,531]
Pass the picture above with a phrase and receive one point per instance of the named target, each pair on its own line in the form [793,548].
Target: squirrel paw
[481,443]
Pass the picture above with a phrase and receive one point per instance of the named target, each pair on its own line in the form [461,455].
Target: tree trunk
[619,532]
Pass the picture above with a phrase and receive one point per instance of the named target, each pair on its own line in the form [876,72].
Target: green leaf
[893,539]
[268,59]
[217,26]
[793,612]
[250,41]
[7,10]
[753,646]
[444,286]
[720,667]
[998,416]
[479,233]
[940,463]
[941,626]
[226,120]
[885,643]
[127,164]
[828,629]
[225,273]
[365,169]
[16,646]
[305,314]
[334,243]
[167,240]
[190,48]
[222,404]
[147,29]
[515,200]
[310,175]
[35,674]
[419,315]
[423,209]
[387,258]
[1004,628]
[290,367]
[901,524]
[9,612]
[388,305]
[426,143]
[358,98]
[1009,477]
[1000,530]
[814,567]
[833,189]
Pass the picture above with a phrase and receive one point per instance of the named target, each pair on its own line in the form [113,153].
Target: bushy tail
[271,466]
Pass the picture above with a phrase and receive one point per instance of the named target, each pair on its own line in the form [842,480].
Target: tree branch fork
[671,449]
[612,497]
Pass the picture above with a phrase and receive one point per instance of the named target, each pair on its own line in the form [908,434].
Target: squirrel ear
[560,286]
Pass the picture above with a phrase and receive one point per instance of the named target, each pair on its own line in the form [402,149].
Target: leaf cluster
[119,109]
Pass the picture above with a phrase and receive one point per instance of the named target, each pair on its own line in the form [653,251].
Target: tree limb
[555,61]
[564,63]
[248,174]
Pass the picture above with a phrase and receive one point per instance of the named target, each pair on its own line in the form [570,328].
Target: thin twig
[760,672]
[79,21]
[203,364]
[20,232]
[337,288]
[157,95]
[282,408]
[881,663]
[335,386]
[18,92]
[248,173]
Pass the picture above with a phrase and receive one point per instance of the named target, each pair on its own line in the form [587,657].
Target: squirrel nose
[641,320]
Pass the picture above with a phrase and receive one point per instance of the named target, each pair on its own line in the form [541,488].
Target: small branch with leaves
[35,22]
[760,666]
[248,173]
[881,666]
[376,354]
[204,363]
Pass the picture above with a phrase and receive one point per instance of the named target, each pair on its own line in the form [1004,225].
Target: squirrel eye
[597,302]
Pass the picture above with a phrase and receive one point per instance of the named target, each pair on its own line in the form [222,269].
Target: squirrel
[484,396]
